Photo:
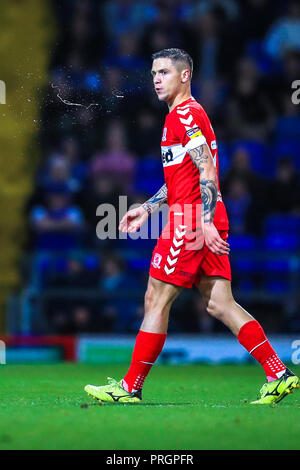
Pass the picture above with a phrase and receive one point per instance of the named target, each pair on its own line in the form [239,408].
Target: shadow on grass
[86,405]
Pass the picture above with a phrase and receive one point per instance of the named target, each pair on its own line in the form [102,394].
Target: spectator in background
[119,313]
[287,125]
[284,190]
[70,149]
[250,114]
[168,30]
[81,36]
[57,174]
[64,319]
[146,133]
[125,16]
[101,189]
[284,34]
[240,168]
[230,8]
[204,320]
[278,85]
[238,202]
[115,161]
[82,320]
[113,86]
[74,274]
[58,224]
[126,56]
[256,16]
[207,70]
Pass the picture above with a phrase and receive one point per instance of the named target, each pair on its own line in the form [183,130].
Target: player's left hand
[212,239]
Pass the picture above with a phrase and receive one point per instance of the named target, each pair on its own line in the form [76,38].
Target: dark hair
[176,55]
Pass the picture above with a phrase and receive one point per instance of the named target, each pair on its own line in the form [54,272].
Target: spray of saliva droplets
[116,93]
[69,103]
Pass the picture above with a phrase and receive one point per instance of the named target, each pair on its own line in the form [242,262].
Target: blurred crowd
[101,130]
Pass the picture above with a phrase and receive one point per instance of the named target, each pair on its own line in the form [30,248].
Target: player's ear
[185,75]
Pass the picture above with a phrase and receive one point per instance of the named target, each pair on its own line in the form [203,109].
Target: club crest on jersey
[164,136]
[194,132]
[156,260]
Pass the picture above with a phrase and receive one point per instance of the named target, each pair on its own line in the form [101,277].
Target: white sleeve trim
[196,142]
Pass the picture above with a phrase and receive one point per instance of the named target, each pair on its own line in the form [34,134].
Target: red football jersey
[186,127]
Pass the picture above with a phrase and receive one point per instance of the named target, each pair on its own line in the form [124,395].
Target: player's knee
[151,298]
[220,309]
[215,309]
[157,301]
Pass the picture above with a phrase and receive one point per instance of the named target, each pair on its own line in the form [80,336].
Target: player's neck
[180,98]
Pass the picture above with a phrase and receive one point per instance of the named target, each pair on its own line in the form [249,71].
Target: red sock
[148,347]
[253,338]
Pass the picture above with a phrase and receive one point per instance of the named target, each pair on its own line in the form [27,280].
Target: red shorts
[182,259]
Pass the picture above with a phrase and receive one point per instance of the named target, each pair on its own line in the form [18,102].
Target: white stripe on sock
[147,362]
[257,346]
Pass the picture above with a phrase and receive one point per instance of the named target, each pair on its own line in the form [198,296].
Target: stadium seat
[224,158]
[245,286]
[257,152]
[91,262]
[283,242]
[288,127]
[290,148]
[149,175]
[277,286]
[255,50]
[243,242]
[241,265]
[277,266]
[138,264]
[282,224]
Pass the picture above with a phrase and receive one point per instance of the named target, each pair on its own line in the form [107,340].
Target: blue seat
[138,264]
[243,242]
[224,158]
[245,286]
[283,242]
[277,286]
[282,224]
[244,265]
[290,148]
[257,152]
[288,127]
[276,266]
[149,175]
[91,262]
[150,166]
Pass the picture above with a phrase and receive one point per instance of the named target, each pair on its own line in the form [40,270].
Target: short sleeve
[195,138]
[188,128]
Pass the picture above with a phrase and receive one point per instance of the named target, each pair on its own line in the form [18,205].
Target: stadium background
[81,126]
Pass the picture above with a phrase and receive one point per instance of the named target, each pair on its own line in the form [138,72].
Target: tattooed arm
[208,180]
[154,203]
[135,218]
[202,158]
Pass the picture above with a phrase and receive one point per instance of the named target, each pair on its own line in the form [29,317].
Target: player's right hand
[212,239]
[133,220]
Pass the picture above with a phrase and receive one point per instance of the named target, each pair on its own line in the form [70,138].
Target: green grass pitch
[185,408]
